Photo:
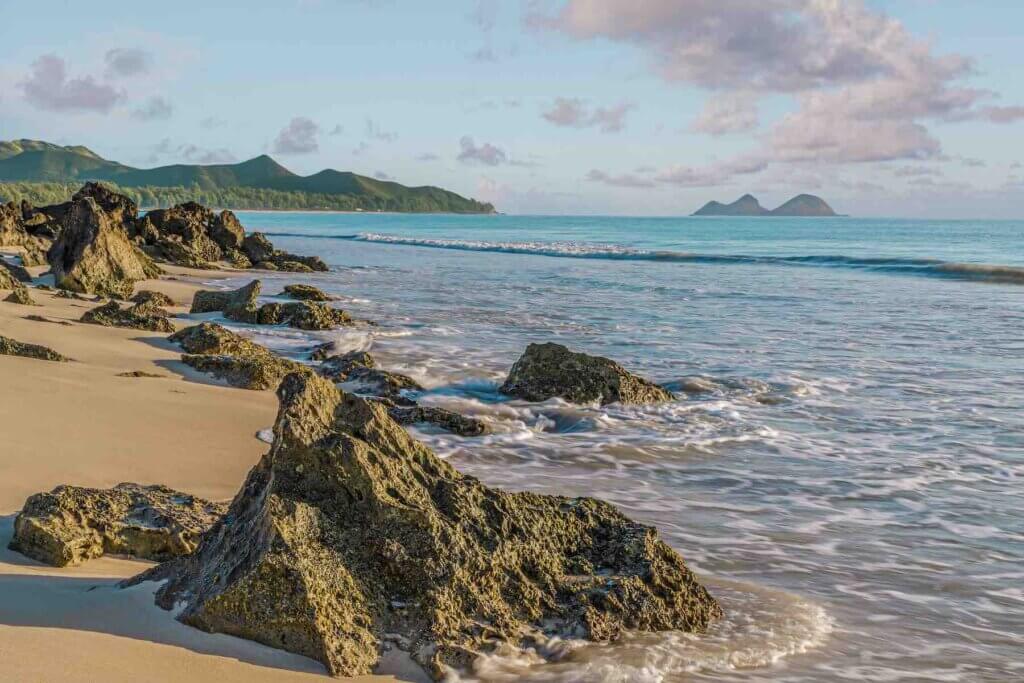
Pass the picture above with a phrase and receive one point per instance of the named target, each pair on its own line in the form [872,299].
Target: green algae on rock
[158,298]
[551,370]
[349,535]
[71,524]
[303,315]
[237,304]
[216,350]
[12,347]
[306,293]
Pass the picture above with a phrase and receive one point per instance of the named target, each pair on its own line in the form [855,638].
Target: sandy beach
[81,423]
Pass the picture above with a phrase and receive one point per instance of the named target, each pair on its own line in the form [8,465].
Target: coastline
[80,423]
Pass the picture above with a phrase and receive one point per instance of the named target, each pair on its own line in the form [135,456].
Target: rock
[93,254]
[239,260]
[307,293]
[340,366]
[238,304]
[211,338]
[550,370]
[12,347]
[358,371]
[184,234]
[139,374]
[441,417]
[121,209]
[70,524]
[157,298]
[265,265]
[216,350]
[20,295]
[349,534]
[289,266]
[12,231]
[257,373]
[15,271]
[303,315]
[65,294]
[299,264]
[8,280]
[145,316]
[226,231]
[257,247]
[35,252]
[697,385]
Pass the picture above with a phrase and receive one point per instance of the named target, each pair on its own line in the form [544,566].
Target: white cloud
[49,87]
[486,154]
[127,61]
[153,109]
[298,137]
[572,112]
[728,113]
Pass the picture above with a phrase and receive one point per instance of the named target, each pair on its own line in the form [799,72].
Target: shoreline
[80,423]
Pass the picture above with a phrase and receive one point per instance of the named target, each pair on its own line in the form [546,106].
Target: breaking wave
[583,250]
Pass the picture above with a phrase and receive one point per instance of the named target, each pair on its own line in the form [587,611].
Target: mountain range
[747,205]
[43,162]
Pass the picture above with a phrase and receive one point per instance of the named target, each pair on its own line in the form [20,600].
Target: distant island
[747,205]
[46,173]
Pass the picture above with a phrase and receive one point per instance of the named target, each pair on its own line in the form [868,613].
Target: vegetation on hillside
[240,198]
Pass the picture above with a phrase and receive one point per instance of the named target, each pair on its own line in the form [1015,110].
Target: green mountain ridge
[33,161]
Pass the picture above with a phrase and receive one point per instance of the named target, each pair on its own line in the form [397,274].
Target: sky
[611,107]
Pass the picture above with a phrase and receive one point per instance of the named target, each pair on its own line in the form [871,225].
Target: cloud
[48,87]
[727,113]
[381,175]
[865,87]
[298,137]
[427,156]
[155,108]
[337,130]
[127,61]
[211,122]
[572,112]
[360,148]
[486,154]
[374,132]
[708,176]
[915,171]
[624,180]
[972,162]
[200,155]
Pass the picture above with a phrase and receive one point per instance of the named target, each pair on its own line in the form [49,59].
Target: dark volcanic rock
[15,271]
[359,372]
[226,231]
[149,296]
[211,338]
[257,247]
[183,233]
[70,525]
[121,209]
[440,417]
[12,347]
[145,316]
[12,231]
[93,254]
[550,370]
[304,315]
[238,304]
[349,533]
[306,293]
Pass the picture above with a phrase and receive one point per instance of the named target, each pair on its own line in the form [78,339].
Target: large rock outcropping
[93,253]
[551,370]
[349,533]
[71,524]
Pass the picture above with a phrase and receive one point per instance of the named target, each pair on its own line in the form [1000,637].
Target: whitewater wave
[585,250]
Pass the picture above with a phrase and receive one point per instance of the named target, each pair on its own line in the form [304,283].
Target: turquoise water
[851,486]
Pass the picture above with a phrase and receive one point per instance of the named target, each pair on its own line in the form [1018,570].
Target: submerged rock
[144,316]
[12,347]
[551,370]
[93,254]
[303,315]
[237,304]
[148,296]
[349,533]
[439,417]
[307,293]
[70,524]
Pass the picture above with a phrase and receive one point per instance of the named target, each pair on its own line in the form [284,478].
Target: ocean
[850,487]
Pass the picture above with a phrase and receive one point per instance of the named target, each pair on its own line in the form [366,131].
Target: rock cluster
[350,534]
[148,296]
[303,315]
[359,371]
[12,347]
[551,370]
[220,352]
[70,524]
[144,316]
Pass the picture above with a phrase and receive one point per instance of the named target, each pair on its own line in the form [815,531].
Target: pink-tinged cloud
[572,112]
[727,113]
[49,87]
[486,154]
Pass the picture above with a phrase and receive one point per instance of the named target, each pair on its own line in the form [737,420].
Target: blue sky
[902,108]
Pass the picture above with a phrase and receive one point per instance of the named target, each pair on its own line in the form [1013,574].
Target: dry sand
[80,423]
